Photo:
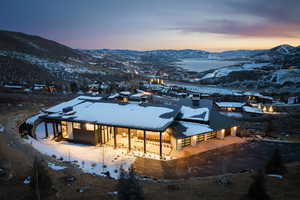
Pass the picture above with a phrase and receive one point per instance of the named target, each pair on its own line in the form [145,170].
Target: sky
[213,25]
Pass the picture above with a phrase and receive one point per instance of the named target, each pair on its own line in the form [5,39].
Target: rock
[2,172]
[113,193]
[69,179]
[107,174]
[27,180]
[84,189]
[224,180]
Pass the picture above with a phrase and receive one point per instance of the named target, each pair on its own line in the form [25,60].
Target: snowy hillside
[227,70]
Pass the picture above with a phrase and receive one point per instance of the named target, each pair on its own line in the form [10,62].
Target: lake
[202,64]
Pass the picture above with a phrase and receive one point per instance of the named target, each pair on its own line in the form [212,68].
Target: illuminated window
[89,127]
[63,123]
[76,125]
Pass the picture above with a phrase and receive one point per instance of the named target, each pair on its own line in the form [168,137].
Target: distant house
[254,97]
[156,80]
[293,100]
[142,127]
[230,106]
[13,88]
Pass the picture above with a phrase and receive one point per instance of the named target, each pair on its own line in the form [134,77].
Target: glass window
[89,127]
[76,125]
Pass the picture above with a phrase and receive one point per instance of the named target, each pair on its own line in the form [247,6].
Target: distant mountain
[276,70]
[35,45]
[33,59]
[44,60]
[170,53]
[270,55]
[282,49]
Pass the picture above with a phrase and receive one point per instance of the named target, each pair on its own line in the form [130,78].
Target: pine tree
[269,128]
[128,186]
[275,164]
[257,189]
[40,181]
[73,87]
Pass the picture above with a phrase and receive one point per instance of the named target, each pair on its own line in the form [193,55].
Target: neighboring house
[230,106]
[143,127]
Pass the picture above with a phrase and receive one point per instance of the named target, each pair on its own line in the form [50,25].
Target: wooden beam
[95,134]
[46,129]
[144,141]
[129,140]
[160,145]
[56,126]
[115,137]
[100,135]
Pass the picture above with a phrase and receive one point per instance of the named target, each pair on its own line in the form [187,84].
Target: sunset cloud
[138,24]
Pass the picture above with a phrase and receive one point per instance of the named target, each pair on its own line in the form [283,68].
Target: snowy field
[208,89]
[91,159]
[226,70]
[202,64]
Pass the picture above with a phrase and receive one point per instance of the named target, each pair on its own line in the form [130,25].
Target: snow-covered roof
[89,98]
[250,109]
[127,93]
[73,102]
[138,95]
[257,94]
[14,86]
[140,116]
[114,96]
[185,129]
[230,104]
[194,113]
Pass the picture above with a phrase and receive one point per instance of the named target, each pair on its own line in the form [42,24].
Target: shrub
[275,164]
[257,189]
[128,186]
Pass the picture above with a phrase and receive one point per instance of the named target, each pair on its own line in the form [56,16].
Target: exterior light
[265,109]
[259,106]
[271,109]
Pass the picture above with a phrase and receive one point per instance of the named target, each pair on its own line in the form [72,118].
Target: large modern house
[146,128]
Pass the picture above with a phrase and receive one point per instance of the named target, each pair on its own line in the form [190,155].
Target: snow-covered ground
[91,159]
[208,89]
[226,70]
[56,167]
[49,64]
[1,128]
[285,75]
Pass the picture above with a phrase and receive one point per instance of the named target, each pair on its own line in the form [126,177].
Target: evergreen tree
[257,189]
[40,182]
[269,128]
[275,164]
[128,186]
[73,87]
